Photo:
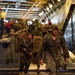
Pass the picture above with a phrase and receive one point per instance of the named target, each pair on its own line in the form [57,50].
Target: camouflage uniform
[54,56]
[37,41]
[25,58]
[11,49]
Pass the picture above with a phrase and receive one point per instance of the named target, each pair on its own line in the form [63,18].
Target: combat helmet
[53,26]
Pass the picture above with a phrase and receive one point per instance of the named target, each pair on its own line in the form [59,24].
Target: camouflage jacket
[25,44]
[54,47]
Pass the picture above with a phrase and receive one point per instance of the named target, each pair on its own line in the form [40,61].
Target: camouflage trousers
[53,65]
[10,54]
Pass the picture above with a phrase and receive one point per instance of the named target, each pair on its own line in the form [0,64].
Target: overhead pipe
[30,9]
[14,9]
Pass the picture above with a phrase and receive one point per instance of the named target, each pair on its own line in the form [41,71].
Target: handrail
[35,70]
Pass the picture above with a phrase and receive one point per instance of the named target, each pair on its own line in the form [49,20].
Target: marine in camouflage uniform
[25,48]
[52,44]
[10,47]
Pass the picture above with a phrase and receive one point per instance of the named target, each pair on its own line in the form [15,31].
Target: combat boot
[7,61]
[11,60]
[65,66]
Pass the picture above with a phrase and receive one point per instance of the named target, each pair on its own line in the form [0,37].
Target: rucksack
[37,42]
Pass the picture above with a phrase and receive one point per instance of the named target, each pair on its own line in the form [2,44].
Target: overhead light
[58,0]
[34,19]
[47,8]
[50,5]
[16,21]
[41,13]
[29,22]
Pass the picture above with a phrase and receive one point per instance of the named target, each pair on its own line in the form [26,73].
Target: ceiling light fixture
[41,13]
[58,0]
[50,5]
[34,19]
[47,8]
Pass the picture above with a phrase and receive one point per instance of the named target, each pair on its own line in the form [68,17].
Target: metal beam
[30,9]
[13,9]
